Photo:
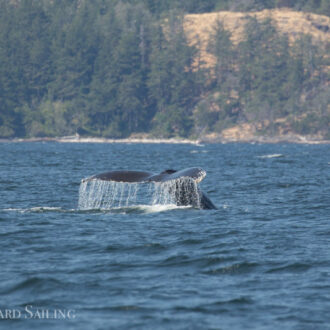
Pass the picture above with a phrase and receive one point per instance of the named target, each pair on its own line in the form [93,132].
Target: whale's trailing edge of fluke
[184,183]
[195,173]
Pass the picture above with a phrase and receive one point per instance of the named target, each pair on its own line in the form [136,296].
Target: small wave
[121,210]
[197,151]
[46,209]
[143,209]
[225,206]
[270,156]
[221,305]
[291,268]
[241,300]
[34,283]
[160,208]
[238,268]
[147,208]
[135,247]
[38,209]
[115,308]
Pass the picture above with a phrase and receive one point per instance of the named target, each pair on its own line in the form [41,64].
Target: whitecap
[157,208]
[271,156]
[145,209]
[36,209]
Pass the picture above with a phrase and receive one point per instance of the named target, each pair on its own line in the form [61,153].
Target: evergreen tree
[224,82]
[119,88]
[172,81]
[220,46]
[263,70]
[74,52]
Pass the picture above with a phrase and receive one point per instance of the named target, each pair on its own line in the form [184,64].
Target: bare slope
[199,26]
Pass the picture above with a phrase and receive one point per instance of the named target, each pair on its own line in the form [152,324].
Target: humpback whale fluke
[184,186]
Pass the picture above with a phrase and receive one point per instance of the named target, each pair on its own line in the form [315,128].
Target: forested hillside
[113,68]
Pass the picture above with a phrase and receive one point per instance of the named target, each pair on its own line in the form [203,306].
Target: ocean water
[260,261]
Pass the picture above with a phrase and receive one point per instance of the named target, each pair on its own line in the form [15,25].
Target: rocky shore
[210,138]
[78,139]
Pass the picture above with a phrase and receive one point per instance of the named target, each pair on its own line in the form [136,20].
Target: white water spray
[99,194]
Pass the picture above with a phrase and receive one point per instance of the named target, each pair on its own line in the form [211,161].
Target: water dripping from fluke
[106,195]
[124,189]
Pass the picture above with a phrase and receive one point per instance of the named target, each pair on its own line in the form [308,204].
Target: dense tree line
[112,68]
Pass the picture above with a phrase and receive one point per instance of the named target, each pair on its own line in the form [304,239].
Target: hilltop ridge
[198,27]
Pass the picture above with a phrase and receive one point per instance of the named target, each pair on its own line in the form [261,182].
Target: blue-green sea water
[260,261]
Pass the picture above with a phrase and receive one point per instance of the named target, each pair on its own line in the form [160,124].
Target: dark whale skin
[195,173]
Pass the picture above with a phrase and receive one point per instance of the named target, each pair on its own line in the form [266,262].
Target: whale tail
[183,184]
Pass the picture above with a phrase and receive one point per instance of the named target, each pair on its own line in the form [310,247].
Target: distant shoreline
[77,139]
[295,139]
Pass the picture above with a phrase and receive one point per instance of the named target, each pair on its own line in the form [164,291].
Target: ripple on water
[295,267]
[234,269]
[35,284]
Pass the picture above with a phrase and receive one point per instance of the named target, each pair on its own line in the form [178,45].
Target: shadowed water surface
[260,261]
